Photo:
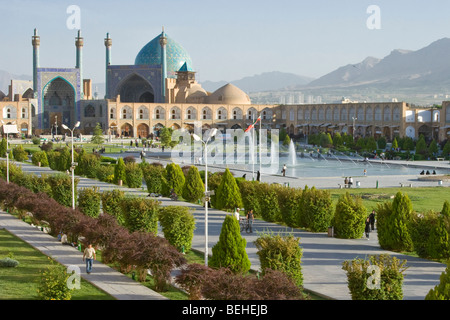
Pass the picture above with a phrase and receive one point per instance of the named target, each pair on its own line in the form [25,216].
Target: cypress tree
[3,148]
[230,252]
[173,179]
[228,195]
[442,290]
[193,188]
[393,220]
[438,244]
[119,172]
[446,209]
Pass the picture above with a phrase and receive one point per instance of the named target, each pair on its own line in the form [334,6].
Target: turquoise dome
[176,55]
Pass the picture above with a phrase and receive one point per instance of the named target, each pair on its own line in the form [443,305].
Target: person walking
[236,214]
[367,229]
[372,220]
[283,171]
[89,255]
[250,220]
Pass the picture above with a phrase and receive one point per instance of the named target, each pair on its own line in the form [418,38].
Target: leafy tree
[97,137]
[395,144]
[228,195]
[349,217]
[64,160]
[178,225]
[421,146]
[337,140]
[229,251]
[193,189]
[119,172]
[433,149]
[166,138]
[446,150]
[88,164]
[286,141]
[381,142]
[392,223]
[61,186]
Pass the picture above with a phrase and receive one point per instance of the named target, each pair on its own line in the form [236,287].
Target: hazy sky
[227,40]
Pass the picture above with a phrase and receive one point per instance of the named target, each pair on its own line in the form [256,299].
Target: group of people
[427,173]
[370,224]
[348,182]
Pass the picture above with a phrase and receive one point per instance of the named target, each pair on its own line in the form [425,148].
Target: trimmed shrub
[19,153]
[64,160]
[289,200]
[89,164]
[228,196]
[250,196]
[392,224]
[140,214]
[178,225]
[316,209]
[3,148]
[111,204]
[104,172]
[8,263]
[61,188]
[194,188]
[119,172]
[89,200]
[53,284]
[268,202]
[438,242]
[40,156]
[229,251]
[385,284]
[349,218]
[282,253]
[53,157]
[213,184]
[420,230]
[153,175]
[134,175]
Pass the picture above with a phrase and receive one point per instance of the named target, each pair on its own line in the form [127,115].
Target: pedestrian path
[107,279]
[322,255]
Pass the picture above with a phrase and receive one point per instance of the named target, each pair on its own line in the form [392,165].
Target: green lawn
[422,199]
[21,283]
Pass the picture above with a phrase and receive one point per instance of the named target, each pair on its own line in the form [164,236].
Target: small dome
[176,56]
[229,94]
[196,94]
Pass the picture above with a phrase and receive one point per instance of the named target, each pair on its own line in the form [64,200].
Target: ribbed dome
[229,94]
[176,55]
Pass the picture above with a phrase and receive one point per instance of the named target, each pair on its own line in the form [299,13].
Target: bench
[440,159]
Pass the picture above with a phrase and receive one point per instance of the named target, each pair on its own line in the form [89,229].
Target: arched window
[175,113]
[143,113]
[24,113]
[369,114]
[221,114]
[112,113]
[377,113]
[206,113]
[237,114]
[126,113]
[387,113]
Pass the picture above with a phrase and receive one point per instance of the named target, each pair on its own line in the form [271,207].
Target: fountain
[292,154]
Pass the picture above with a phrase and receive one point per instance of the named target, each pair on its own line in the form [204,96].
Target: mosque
[160,90]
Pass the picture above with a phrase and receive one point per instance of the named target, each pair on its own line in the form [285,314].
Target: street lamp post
[7,151]
[207,194]
[72,168]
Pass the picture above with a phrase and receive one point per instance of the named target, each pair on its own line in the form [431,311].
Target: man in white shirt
[89,255]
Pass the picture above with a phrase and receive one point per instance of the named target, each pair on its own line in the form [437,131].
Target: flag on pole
[253,124]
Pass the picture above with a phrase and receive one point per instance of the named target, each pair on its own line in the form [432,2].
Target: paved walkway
[322,255]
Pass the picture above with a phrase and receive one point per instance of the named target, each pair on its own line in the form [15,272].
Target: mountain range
[424,69]
[403,74]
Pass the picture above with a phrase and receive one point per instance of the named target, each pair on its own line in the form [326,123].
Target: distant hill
[425,69]
[266,81]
